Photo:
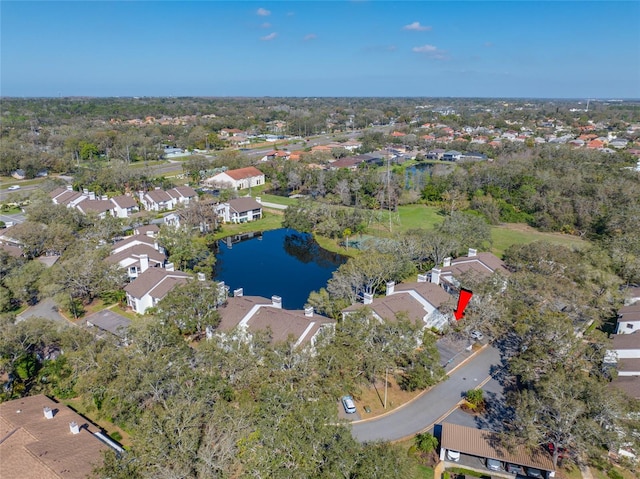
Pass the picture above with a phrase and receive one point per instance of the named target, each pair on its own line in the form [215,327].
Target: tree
[191,307]
[468,230]
[425,442]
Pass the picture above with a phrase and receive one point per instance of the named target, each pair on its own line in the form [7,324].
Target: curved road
[427,409]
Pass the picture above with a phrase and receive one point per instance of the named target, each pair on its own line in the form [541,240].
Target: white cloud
[417,27]
[263,12]
[310,36]
[430,51]
[425,49]
[269,37]
[266,25]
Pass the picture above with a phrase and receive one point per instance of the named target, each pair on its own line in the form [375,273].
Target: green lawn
[270,221]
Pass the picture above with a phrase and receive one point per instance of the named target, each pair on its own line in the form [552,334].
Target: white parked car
[14,187]
[453,455]
[477,335]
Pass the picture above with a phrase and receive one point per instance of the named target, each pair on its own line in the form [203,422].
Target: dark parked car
[515,469]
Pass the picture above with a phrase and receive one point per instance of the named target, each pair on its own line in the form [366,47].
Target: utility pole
[386,373]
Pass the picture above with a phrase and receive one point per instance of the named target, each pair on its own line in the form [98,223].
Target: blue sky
[554,49]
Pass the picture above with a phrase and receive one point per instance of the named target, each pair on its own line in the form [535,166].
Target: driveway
[433,405]
[44,309]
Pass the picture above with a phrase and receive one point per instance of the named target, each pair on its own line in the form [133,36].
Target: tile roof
[626,341]
[158,196]
[182,192]
[243,173]
[34,447]
[95,206]
[134,253]
[259,315]
[630,385]
[488,444]
[158,280]
[124,201]
[240,205]
[629,313]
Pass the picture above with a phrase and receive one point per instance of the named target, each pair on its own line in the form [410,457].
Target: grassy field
[426,217]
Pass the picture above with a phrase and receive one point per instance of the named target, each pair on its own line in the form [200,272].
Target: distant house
[100,207]
[19,174]
[435,154]
[451,155]
[156,200]
[138,239]
[237,179]
[124,206]
[137,259]
[151,286]
[247,315]
[418,302]
[275,154]
[182,195]
[240,210]
[67,196]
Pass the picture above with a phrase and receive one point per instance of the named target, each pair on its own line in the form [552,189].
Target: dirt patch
[370,402]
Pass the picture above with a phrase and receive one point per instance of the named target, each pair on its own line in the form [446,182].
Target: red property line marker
[463,301]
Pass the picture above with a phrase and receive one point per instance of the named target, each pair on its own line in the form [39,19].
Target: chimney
[156,246]
[169,267]
[276,302]
[422,278]
[202,277]
[92,195]
[85,191]
[238,293]
[69,187]
[391,286]
[472,252]
[208,332]
[48,412]
[368,298]
[144,262]
[259,199]
[73,426]
[446,262]
[104,198]
[435,275]
[308,312]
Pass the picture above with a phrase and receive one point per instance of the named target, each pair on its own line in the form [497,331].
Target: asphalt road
[433,405]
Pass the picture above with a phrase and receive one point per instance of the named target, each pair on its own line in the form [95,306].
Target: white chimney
[73,426]
[446,262]
[276,302]
[238,293]
[169,267]
[202,277]
[144,262]
[368,298]
[391,286]
[48,412]
[422,278]
[104,198]
[69,188]
[435,275]
[156,246]
[308,312]
[208,331]
[259,199]
[85,191]
[472,252]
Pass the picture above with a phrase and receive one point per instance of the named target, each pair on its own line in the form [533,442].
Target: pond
[281,262]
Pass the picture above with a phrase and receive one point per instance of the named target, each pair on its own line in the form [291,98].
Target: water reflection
[281,262]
